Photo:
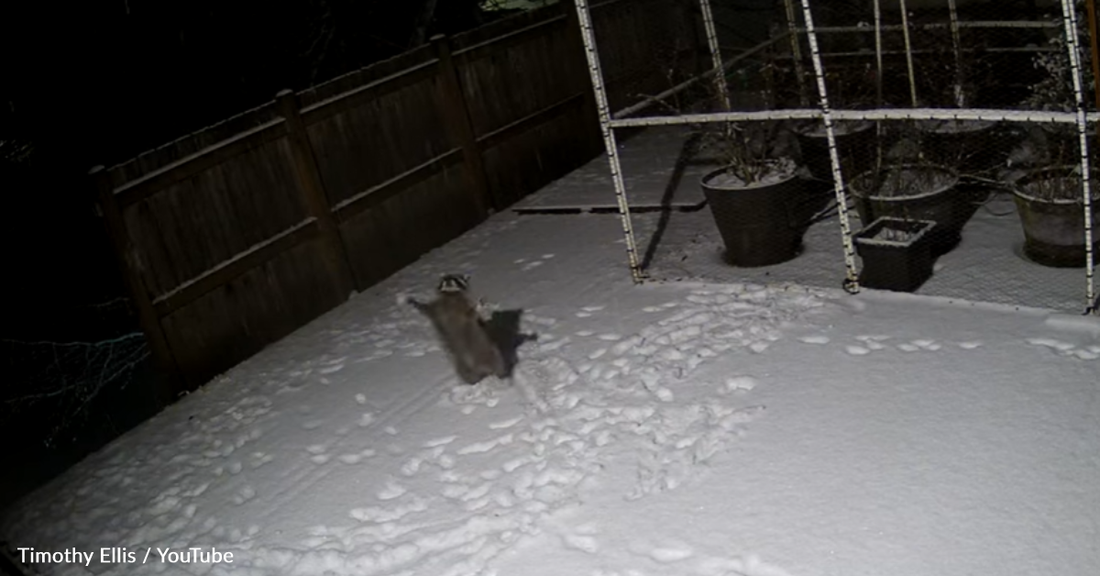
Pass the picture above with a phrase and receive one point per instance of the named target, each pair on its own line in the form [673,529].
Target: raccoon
[459,323]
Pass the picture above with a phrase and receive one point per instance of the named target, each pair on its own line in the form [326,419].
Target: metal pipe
[851,282]
[1034,116]
[589,38]
[633,109]
[715,55]
[796,53]
[960,97]
[908,52]
[1069,22]
[878,54]
[1038,24]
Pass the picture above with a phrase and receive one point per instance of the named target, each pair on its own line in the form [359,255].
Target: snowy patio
[662,429]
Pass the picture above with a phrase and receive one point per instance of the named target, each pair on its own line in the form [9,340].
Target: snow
[782,171]
[663,429]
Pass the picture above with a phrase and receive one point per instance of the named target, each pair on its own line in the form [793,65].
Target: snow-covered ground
[664,429]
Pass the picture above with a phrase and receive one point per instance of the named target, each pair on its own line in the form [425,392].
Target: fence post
[115,224]
[313,192]
[457,115]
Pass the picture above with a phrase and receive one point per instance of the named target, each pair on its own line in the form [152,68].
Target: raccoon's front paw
[485,308]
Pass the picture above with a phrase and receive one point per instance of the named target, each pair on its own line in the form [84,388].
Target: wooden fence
[234,236]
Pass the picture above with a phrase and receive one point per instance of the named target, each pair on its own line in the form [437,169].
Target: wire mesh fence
[934,148]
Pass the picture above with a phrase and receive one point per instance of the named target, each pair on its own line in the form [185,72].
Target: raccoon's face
[452,283]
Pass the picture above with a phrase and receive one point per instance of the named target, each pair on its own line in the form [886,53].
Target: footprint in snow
[243,495]
[505,423]
[260,458]
[740,384]
[391,491]
[331,369]
[857,350]
[1051,343]
[350,459]
[442,441]
[971,345]
[1085,354]
[817,339]
[357,458]
[582,542]
[871,338]
[930,345]
[665,553]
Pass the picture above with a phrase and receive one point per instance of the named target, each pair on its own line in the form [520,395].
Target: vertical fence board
[313,193]
[362,147]
[456,111]
[261,306]
[128,264]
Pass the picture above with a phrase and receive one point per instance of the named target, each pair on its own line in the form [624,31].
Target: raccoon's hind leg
[467,372]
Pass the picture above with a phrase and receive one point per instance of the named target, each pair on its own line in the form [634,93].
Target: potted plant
[913,192]
[896,253]
[1051,207]
[969,146]
[756,197]
[855,142]
[1060,143]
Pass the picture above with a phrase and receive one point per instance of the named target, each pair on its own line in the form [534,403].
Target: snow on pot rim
[950,179]
[923,228]
[840,128]
[954,126]
[723,179]
[1025,188]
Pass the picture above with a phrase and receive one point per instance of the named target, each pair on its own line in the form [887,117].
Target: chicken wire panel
[906,90]
[980,55]
[975,210]
[657,55]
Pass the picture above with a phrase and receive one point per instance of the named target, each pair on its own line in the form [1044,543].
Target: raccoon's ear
[465,278]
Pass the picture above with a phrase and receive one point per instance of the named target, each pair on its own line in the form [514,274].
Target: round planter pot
[855,142]
[761,224]
[914,192]
[968,145]
[1052,214]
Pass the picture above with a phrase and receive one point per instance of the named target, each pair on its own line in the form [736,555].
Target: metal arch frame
[609,121]
[1069,24]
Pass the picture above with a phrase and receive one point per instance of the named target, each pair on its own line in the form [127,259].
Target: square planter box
[897,253]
